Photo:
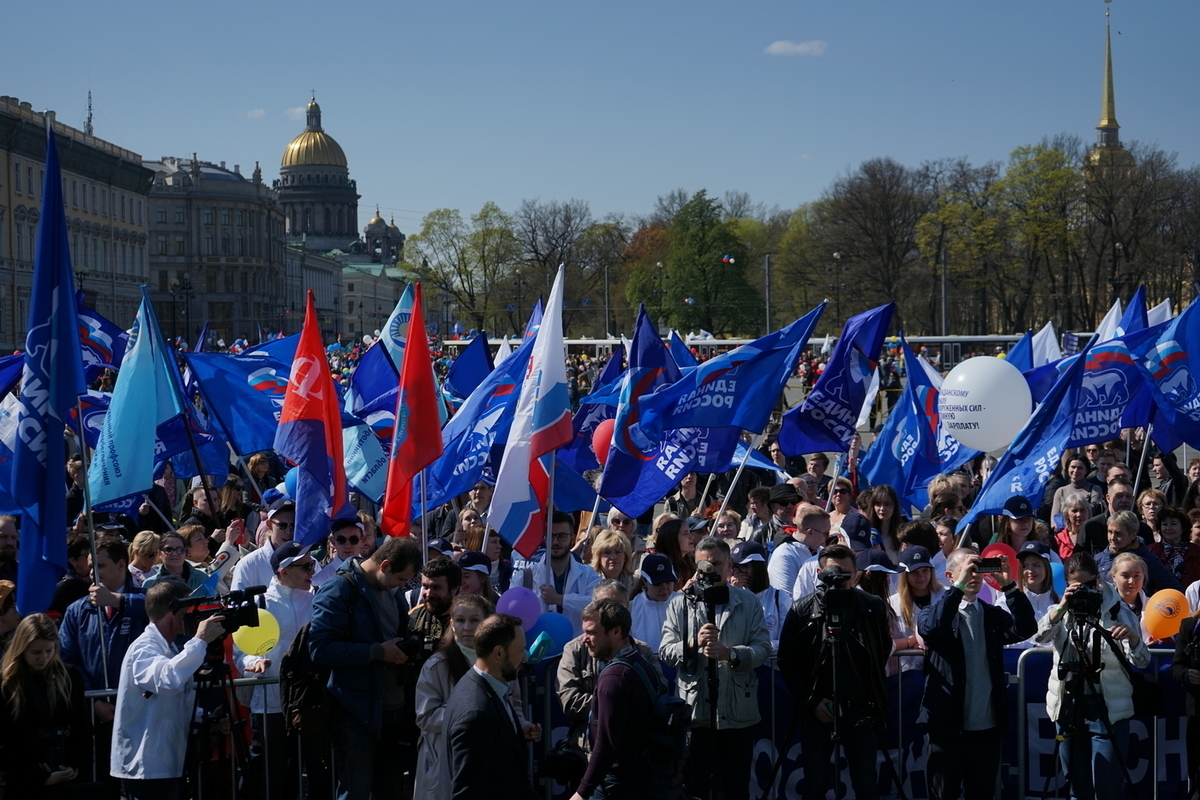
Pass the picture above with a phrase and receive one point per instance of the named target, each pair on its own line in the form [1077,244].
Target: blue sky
[455,103]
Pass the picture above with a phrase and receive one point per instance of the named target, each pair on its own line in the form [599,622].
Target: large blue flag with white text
[53,379]
[244,394]
[1167,360]
[826,420]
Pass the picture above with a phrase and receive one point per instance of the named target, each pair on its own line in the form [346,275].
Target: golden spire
[1108,103]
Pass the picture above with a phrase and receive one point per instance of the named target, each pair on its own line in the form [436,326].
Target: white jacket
[254,569]
[1114,682]
[577,592]
[648,619]
[784,564]
[291,609]
[154,707]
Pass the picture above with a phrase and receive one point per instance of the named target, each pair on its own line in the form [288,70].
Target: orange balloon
[1164,613]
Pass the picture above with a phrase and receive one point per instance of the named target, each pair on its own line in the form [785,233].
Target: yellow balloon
[261,639]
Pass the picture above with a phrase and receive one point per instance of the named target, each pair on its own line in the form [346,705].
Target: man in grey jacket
[739,642]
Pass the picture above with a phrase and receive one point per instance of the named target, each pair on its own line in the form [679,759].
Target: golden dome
[313,148]
[376,223]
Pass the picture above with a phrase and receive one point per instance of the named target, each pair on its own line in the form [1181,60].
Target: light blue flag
[145,397]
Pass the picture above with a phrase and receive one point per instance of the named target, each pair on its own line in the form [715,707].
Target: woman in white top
[1037,582]
[749,571]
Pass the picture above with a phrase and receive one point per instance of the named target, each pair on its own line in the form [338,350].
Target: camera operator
[1090,695]
[965,686]
[735,642]
[816,623]
[154,697]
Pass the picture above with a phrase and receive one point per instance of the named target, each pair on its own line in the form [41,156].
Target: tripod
[214,683]
[1080,674]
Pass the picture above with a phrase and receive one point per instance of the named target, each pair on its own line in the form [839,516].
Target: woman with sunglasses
[345,540]
[174,564]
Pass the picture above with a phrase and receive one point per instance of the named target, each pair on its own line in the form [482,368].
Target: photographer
[735,643]
[154,697]
[837,615]
[965,685]
[1090,695]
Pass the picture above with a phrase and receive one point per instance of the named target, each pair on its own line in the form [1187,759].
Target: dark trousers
[858,743]
[276,760]
[722,761]
[614,788]
[366,764]
[967,761]
[156,789]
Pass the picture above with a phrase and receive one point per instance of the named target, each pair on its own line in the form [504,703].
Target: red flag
[310,435]
[417,437]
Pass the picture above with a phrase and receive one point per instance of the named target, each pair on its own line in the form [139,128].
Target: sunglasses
[619,521]
[283,525]
[307,566]
[174,551]
[841,490]
[347,539]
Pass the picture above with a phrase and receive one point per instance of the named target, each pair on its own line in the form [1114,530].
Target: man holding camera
[359,630]
[964,675]
[850,701]
[713,623]
[1091,700]
[155,695]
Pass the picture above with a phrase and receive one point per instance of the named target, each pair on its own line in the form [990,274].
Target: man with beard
[563,584]
[8,548]
[488,755]
[440,579]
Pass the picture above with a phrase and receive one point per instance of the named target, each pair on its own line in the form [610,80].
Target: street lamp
[661,300]
[185,287]
[838,284]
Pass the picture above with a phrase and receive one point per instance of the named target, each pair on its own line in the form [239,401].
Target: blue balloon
[1058,577]
[557,627]
[289,482]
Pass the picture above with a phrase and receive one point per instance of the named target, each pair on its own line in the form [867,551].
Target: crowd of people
[423,679]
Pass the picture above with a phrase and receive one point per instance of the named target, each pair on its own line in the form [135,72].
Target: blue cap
[657,569]
[745,552]
[473,559]
[444,547]
[875,561]
[1035,548]
[913,558]
[287,554]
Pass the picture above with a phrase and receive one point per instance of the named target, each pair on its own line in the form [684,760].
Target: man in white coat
[154,698]
[563,584]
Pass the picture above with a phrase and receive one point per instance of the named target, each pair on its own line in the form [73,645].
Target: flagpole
[550,516]
[91,526]
[245,468]
[755,443]
[1142,461]
[595,513]
[704,494]
[157,510]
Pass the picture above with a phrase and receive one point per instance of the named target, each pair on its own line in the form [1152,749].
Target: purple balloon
[521,603]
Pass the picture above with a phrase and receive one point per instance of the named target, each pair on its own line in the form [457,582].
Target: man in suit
[1119,495]
[964,677]
[488,756]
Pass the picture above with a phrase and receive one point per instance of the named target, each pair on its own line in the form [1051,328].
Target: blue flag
[1020,355]
[146,396]
[571,491]
[1167,360]
[53,379]
[102,342]
[599,405]
[374,382]
[680,352]
[202,339]
[735,389]
[244,394]
[470,369]
[1036,452]
[11,368]
[281,349]
[1134,319]
[826,420]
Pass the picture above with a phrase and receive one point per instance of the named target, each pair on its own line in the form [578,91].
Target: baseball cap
[745,552]
[858,532]
[1017,507]
[444,547]
[287,554]
[282,504]
[875,561]
[784,493]
[695,523]
[473,559]
[1034,548]
[656,569]
[345,522]
[913,558]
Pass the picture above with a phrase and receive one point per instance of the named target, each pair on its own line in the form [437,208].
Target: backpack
[668,736]
[303,686]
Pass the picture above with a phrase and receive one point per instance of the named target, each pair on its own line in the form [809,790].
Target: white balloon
[367,339]
[984,403]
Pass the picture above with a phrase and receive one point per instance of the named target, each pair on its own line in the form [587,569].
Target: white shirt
[806,578]
[254,569]
[785,564]
[649,617]
[328,571]
[150,733]
[577,591]
[291,609]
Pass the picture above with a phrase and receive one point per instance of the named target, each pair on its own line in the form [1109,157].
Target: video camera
[837,601]
[708,588]
[1085,603]
[237,609]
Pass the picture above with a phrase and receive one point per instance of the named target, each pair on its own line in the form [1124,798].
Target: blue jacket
[79,636]
[346,635]
[1157,574]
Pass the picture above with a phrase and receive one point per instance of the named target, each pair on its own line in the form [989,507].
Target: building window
[17,177]
[95,252]
[162,215]
[29,172]
[180,246]
[208,216]
[75,246]
[179,216]
[349,287]
[122,206]
[163,283]
[104,201]
[162,244]
[139,219]
[94,206]
[75,194]
[241,217]
[225,245]
[224,216]
[85,205]
[210,282]
[241,245]
[350,307]
[20,244]
[209,245]
[83,254]
[124,253]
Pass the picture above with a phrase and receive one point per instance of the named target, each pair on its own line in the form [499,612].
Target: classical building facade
[105,190]
[216,251]
[320,201]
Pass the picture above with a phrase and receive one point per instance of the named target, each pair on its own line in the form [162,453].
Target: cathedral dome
[313,147]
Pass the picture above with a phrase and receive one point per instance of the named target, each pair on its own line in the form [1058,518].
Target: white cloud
[296,113]
[256,113]
[783,47]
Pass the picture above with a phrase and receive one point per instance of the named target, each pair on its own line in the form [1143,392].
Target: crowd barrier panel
[1156,756]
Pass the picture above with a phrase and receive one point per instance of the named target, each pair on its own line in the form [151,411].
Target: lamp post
[174,327]
[185,286]
[837,285]
[767,291]
[361,329]
[662,323]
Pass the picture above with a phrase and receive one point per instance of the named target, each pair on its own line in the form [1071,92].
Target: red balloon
[995,550]
[602,440]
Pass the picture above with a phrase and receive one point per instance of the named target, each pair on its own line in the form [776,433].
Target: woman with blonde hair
[143,555]
[1150,504]
[45,738]
[612,558]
